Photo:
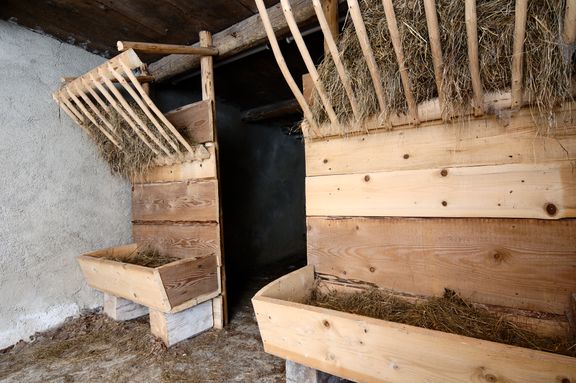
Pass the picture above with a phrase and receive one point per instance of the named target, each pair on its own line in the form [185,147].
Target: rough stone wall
[57,198]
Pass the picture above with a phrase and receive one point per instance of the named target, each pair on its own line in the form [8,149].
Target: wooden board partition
[526,264]
[193,121]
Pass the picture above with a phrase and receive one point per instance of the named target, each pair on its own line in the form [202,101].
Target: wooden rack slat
[474,62]
[153,107]
[87,85]
[79,116]
[436,49]
[397,44]
[105,74]
[118,109]
[141,104]
[95,110]
[569,33]
[308,61]
[282,65]
[333,49]
[362,35]
[518,52]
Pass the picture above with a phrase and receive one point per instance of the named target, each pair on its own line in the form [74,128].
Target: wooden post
[121,309]
[175,327]
[518,52]
[569,33]
[474,62]
[155,48]
[330,12]
[436,48]
[209,94]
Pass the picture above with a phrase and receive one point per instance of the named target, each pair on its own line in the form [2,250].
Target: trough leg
[173,328]
[297,373]
[121,309]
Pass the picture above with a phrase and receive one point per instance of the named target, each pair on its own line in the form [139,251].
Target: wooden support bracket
[176,327]
[121,309]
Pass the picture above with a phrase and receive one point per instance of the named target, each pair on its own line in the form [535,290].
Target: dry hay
[135,157]
[449,313]
[547,74]
[145,255]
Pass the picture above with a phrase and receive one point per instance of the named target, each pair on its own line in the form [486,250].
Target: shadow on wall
[262,185]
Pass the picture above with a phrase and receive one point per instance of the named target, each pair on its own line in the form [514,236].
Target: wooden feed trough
[415,204]
[175,202]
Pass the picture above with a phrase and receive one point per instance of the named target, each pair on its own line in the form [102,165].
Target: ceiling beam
[233,40]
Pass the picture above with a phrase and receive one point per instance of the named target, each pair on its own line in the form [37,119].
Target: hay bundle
[145,255]
[449,313]
[547,73]
[135,157]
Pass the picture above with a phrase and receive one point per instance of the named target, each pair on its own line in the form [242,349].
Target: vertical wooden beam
[330,13]
[219,304]
[397,44]
[518,52]
[299,40]
[436,49]
[362,35]
[569,32]
[330,43]
[282,65]
[474,62]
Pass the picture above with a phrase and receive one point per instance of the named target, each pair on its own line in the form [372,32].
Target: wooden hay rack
[421,202]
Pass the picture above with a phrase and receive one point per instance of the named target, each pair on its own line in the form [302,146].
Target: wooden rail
[154,48]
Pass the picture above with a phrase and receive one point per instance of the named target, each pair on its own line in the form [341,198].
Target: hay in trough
[449,313]
[547,70]
[146,256]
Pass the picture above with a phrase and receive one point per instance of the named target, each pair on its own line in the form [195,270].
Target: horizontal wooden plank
[521,263]
[189,279]
[175,327]
[193,122]
[197,169]
[180,240]
[546,191]
[484,141]
[176,201]
[370,350]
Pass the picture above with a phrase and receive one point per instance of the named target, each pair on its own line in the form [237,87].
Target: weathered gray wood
[173,328]
[298,373]
[121,309]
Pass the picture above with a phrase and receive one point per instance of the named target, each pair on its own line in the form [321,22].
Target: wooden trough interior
[175,197]
[419,203]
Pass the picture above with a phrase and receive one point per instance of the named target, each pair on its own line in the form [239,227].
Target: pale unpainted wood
[156,48]
[521,13]
[65,102]
[330,46]
[196,169]
[112,130]
[482,141]
[108,96]
[193,121]
[218,312]
[545,191]
[145,96]
[270,111]
[569,32]
[521,263]
[473,60]
[136,283]
[103,72]
[298,373]
[141,78]
[330,13]
[362,35]
[294,287]
[191,240]
[121,309]
[435,48]
[235,39]
[207,80]
[189,278]
[282,64]
[140,103]
[172,328]
[397,45]
[90,88]
[370,350]
[310,66]
[176,201]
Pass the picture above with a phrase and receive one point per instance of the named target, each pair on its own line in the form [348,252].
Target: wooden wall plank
[175,201]
[546,191]
[180,240]
[192,121]
[485,141]
[190,279]
[175,327]
[520,263]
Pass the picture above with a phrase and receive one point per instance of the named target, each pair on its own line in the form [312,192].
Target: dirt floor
[94,348]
